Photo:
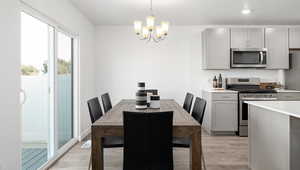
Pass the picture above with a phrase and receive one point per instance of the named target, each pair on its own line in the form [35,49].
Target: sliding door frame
[56,153]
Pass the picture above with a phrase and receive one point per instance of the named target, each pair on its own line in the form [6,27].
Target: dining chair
[148,141]
[96,113]
[187,105]
[106,102]
[198,114]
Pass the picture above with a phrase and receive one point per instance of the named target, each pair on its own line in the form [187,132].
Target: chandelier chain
[151,7]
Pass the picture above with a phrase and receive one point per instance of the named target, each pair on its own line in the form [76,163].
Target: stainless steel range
[249,90]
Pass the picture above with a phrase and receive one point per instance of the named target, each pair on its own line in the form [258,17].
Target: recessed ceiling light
[246,11]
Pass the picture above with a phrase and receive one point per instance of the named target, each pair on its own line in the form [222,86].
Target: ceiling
[192,12]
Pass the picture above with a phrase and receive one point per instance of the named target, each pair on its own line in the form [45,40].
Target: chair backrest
[94,109]
[106,102]
[148,141]
[187,105]
[199,109]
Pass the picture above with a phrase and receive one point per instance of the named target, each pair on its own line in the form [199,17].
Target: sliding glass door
[47,90]
[35,91]
[64,77]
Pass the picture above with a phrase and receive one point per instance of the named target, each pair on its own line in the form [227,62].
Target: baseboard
[84,134]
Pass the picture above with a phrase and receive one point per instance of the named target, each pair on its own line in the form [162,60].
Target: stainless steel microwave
[248,57]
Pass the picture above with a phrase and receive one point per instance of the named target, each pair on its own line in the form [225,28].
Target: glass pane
[35,91]
[64,88]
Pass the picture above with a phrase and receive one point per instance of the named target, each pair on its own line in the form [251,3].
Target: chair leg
[90,162]
[202,158]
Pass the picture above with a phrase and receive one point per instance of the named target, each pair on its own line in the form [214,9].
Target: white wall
[173,66]
[10,123]
[64,13]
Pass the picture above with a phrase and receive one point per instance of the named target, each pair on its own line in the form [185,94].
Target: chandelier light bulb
[138,27]
[165,26]
[159,31]
[150,22]
[145,32]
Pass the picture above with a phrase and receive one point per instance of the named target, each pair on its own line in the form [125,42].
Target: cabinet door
[216,48]
[255,38]
[247,38]
[289,96]
[225,116]
[278,50]
[238,37]
[294,37]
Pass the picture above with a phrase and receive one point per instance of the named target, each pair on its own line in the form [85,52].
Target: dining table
[111,124]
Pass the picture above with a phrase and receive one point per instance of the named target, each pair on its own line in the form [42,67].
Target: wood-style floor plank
[220,152]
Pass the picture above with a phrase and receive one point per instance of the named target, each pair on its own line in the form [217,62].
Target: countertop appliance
[249,90]
[248,57]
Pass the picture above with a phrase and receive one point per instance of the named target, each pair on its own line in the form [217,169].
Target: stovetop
[250,89]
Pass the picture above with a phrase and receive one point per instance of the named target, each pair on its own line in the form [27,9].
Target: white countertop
[220,91]
[290,108]
[287,91]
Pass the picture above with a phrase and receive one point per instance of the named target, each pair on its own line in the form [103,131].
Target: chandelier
[151,31]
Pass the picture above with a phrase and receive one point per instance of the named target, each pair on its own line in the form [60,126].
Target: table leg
[195,152]
[97,152]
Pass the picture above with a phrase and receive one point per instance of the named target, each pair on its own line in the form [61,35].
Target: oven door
[243,113]
[244,108]
[248,58]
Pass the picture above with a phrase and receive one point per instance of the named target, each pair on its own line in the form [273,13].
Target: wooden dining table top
[114,117]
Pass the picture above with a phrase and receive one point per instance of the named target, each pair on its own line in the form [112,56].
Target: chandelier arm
[140,37]
[149,37]
[156,39]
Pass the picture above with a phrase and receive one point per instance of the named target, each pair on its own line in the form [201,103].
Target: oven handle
[259,99]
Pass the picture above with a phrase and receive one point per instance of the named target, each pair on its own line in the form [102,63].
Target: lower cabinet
[289,96]
[224,116]
[221,114]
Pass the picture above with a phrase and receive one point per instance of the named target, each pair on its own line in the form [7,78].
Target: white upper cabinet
[216,48]
[247,38]
[294,37]
[276,40]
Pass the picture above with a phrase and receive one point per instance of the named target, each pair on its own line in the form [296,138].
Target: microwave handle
[261,54]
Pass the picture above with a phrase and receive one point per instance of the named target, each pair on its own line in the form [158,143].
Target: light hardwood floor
[220,152]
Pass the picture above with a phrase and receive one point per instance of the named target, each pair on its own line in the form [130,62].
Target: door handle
[24,97]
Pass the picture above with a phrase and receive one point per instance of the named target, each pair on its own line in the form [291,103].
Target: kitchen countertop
[220,91]
[232,91]
[287,91]
[290,108]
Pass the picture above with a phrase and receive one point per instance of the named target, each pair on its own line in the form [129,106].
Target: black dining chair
[106,102]
[187,105]
[199,109]
[96,113]
[148,141]
[198,114]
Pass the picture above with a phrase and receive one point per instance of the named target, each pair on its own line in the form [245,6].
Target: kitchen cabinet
[288,95]
[276,40]
[216,48]
[225,116]
[221,114]
[294,38]
[247,38]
